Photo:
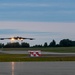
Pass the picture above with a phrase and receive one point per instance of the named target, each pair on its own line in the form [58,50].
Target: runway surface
[37,68]
[42,52]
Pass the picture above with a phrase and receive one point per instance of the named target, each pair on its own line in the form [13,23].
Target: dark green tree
[23,44]
[1,45]
[65,43]
[52,44]
[45,44]
[12,45]
[73,43]
[37,46]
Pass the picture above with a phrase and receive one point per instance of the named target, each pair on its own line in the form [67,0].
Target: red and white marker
[35,53]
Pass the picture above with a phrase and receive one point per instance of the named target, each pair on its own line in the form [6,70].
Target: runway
[37,68]
[42,52]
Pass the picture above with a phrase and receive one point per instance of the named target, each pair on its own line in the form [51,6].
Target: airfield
[47,54]
[54,61]
[18,62]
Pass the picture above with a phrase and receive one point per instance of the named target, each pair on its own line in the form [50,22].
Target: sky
[43,20]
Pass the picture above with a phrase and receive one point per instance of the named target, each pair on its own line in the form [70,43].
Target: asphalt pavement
[42,52]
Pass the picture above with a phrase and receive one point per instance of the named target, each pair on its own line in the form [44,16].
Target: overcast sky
[43,20]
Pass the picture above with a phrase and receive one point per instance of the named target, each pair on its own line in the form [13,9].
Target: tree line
[62,43]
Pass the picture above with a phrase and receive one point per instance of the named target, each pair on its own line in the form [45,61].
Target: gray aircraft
[17,38]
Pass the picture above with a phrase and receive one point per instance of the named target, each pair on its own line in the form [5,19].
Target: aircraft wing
[4,38]
[29,38]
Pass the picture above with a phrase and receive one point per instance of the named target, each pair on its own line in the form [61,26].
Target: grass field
[25,57]
[48,49]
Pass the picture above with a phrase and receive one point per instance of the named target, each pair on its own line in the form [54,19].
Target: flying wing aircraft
[17,38]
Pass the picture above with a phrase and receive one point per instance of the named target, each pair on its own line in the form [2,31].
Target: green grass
[49,49]
[24,58]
